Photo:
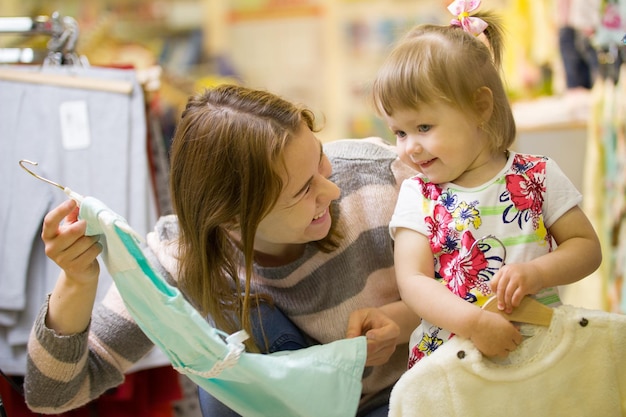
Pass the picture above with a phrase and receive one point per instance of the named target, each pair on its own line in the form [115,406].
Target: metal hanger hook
[488,237]
[23,161]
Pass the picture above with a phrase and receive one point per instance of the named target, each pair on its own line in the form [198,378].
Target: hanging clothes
[254,385]
[605,183]
[83,132]
[618,209]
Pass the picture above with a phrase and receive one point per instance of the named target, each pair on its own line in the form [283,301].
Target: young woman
[261,228]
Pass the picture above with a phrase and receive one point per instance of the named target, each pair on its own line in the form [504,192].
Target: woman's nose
[330,190]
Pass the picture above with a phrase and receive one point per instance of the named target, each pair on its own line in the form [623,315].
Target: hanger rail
[71,81]
[63,32]
[529,311]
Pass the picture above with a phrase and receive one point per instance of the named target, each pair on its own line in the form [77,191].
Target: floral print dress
[472,229]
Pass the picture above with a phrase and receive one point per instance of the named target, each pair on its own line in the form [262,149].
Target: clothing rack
[61,51]
[63,32]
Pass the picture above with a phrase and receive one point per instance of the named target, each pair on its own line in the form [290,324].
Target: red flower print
[460,269]
[415,356]
[527,190]
[429,190]
[438,227]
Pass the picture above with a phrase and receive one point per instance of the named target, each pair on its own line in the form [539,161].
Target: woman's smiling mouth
[320,215]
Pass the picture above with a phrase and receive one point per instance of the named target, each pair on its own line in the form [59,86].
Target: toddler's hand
[514,281]
[494,335]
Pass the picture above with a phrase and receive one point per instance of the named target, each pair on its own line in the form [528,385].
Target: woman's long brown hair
[226,157]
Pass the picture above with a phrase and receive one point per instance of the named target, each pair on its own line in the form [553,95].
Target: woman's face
[301,214]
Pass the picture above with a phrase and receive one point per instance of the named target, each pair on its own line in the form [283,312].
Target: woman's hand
[73,296]
[66,244]
[382,334]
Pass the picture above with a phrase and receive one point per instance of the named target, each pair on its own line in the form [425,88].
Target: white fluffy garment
[575,367]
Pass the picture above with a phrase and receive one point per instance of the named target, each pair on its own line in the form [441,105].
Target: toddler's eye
[399,134]
[423,128]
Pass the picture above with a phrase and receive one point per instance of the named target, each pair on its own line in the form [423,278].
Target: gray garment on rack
[112,164]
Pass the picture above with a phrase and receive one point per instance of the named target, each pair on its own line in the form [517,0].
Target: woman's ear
[233,230]
[231,226]
[483,102]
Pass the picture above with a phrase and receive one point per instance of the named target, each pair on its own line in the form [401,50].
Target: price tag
[75,125]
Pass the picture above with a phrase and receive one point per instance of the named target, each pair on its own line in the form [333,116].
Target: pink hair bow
[461,9]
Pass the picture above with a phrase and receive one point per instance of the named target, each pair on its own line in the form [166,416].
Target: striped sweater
[317,292]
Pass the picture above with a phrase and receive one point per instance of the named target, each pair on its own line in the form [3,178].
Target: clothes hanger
[529,311]
[71,194]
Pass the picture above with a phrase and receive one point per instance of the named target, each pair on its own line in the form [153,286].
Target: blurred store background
[324,53]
